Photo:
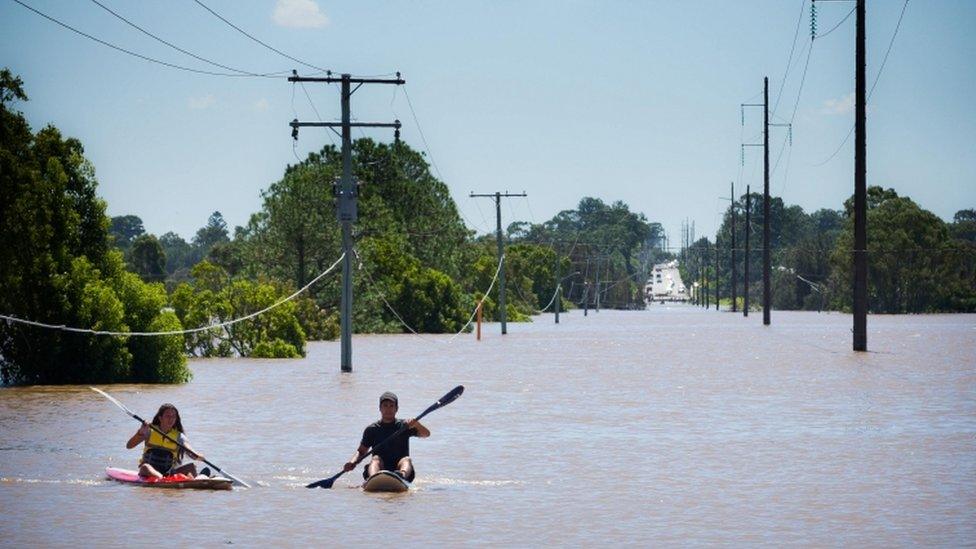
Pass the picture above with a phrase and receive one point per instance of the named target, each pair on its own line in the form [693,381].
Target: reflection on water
[667,426]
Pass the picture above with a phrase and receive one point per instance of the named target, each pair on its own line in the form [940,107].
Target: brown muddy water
[671,426]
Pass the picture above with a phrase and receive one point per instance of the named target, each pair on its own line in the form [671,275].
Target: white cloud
[262,104]
[302,14]
[843,105]
[201,103]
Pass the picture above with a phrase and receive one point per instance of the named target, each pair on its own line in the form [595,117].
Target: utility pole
[708,296]
[702,293]
[717,284]
[586,298]
[766,270]
[860,190]
[596,309]
[347,192]
[734,304]
[559,288]
[502,312]
[586,285]
[745,284]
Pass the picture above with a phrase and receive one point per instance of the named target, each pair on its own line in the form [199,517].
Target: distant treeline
[917,263]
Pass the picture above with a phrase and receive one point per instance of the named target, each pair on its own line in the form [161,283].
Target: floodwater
[671,426]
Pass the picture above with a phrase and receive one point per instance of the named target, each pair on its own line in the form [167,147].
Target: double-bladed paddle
[444,401]
[164,435]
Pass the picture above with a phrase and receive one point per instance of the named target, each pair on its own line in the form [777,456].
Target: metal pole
[745,283]
[701,278]
[501,260]
[347,191]
[597,308]
[717,285]
[345,197]
[860,190]
[767,286]
[735,306]
[708,296]
[586,297]
[559,289]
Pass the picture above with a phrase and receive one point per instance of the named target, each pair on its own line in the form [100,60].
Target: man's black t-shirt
[395,450]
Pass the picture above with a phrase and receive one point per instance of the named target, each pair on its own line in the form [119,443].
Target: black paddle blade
[451,396]
[326,482]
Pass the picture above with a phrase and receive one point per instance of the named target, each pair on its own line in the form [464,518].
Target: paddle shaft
[444,401]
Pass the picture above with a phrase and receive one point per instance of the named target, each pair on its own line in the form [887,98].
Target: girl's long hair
[178,425]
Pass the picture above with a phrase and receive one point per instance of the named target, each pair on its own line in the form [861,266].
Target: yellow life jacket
[157,442]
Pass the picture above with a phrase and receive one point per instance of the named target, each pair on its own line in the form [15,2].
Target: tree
[211,234]
[125,229]
[296,231]
[58,267]
[425,299]
[215,299]
[907,266]
[620,240]
[963,226]
[148,259]
[296,235]
[177,251]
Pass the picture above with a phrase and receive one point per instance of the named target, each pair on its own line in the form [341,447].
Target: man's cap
[389,396]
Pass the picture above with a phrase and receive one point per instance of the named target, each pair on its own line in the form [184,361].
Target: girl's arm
[141,435]
[189,449]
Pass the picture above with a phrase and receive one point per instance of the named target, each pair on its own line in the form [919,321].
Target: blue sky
[622,100]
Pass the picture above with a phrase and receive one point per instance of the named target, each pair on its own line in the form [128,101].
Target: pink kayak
[173,481]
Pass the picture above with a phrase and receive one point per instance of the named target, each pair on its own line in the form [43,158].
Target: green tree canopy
[147,258]
[58,267]
[124,229]
[912,264]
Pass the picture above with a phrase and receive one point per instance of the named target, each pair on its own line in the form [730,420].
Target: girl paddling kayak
[162,457]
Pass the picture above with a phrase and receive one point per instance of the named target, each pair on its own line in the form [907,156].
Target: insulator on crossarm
[813,20]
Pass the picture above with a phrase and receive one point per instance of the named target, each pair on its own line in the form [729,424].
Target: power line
[129,52]
[876,79]
[179,49]
[433,163]
[315,110]
[838,24]
[789,61]
[224,324]
[245,33]
[422,136]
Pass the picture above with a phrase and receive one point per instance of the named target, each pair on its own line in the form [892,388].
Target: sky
[637,101]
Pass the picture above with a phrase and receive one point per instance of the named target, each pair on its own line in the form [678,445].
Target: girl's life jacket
[162,454]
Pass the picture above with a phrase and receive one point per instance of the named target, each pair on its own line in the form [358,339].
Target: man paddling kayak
[394,455]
